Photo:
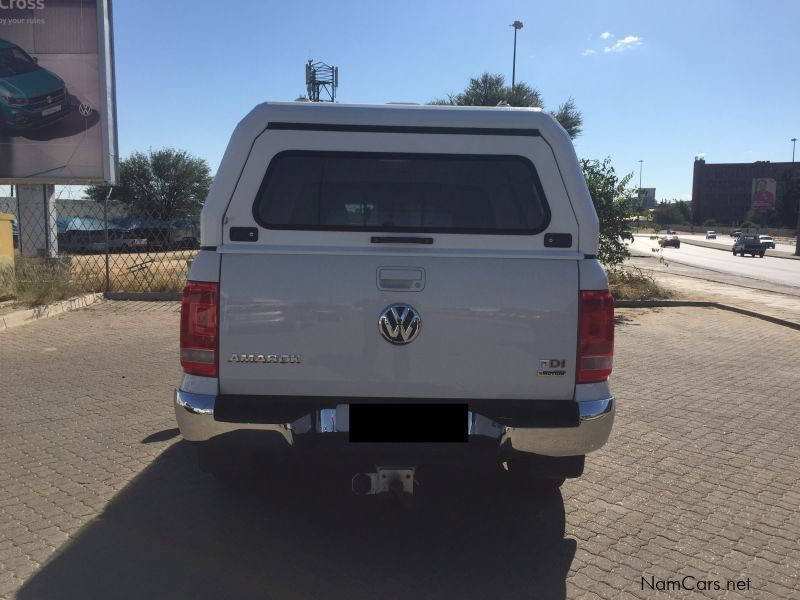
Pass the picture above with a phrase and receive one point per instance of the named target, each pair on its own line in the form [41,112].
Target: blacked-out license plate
[408,423]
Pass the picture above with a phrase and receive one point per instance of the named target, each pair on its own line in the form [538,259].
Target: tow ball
[385,480]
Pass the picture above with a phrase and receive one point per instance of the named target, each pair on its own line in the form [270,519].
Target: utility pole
[516,25]
[794,141]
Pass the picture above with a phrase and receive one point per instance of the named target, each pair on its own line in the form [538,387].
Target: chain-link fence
[69,246]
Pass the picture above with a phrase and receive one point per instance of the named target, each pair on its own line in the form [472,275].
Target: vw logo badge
[49,99]
[399,324]
[85,109]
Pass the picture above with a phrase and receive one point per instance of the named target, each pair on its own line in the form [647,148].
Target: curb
[705,304]
[29,315]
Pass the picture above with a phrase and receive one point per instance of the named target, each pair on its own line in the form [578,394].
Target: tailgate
[486,323]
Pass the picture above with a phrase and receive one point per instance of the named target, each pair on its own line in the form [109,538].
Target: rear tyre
[761,255]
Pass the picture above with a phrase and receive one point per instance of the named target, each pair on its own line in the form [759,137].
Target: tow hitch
[385,480]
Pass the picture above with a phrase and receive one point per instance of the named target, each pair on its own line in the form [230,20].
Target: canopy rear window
[402,192]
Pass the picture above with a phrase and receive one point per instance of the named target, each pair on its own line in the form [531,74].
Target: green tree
[674,212]
[162,184]
[612,201]
[490,90]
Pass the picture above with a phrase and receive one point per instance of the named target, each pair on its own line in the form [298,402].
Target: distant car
[767,241]
[748,244]
[627,235]
[126,243]
[670,240]
[736,233]
[671,232]
[711,235]
[30,95]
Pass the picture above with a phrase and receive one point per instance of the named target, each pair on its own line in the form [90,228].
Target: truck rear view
[397,286]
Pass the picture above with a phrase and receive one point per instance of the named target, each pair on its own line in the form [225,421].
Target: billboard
[647,197]
[762,195]
[57,109]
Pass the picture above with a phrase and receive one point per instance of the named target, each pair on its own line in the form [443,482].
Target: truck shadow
[173,532]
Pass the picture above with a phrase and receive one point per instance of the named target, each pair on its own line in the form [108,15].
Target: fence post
[105,231]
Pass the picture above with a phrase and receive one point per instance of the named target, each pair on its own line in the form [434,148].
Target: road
[777,271]
[727,241]
[100,498]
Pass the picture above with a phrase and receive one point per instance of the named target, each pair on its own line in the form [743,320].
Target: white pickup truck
[397,286]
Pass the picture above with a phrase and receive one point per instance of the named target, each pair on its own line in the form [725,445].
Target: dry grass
[145,272]
[41,281]
[8,284]
[631,283]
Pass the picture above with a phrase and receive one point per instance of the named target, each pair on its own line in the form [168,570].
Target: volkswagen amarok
[397,286]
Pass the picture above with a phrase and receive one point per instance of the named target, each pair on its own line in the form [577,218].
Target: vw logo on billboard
[399,324]
[85,109]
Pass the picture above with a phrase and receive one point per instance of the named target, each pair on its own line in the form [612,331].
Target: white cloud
[629,41]
[588,51]
[605,35]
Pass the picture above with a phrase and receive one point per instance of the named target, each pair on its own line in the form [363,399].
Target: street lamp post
[794,141]
[640,175]
[516,25]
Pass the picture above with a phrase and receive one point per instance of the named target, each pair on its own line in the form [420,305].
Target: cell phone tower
[321,81]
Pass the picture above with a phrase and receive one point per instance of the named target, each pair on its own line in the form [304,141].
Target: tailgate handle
[401,279]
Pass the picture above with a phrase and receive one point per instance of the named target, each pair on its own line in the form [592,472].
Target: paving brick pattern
[100,499]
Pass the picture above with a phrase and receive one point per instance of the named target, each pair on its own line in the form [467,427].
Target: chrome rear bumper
[195,416]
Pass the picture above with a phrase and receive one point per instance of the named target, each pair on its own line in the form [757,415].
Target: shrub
[632,283]
[612,201]
[709,223]
[43,280]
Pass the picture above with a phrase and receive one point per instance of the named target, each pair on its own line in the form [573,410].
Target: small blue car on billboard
[30,95]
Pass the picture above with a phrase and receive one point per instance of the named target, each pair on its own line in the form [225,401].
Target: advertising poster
[762,198]
[647,197]
[57,113]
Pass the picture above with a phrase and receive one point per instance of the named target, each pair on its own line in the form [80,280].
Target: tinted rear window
[402,192]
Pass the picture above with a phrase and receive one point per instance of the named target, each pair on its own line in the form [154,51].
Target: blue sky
[668,81]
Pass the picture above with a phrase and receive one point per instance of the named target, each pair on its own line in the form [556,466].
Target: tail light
[200,328]
[595,336]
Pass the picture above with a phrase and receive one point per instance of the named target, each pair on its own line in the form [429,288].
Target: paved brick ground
[100,499]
